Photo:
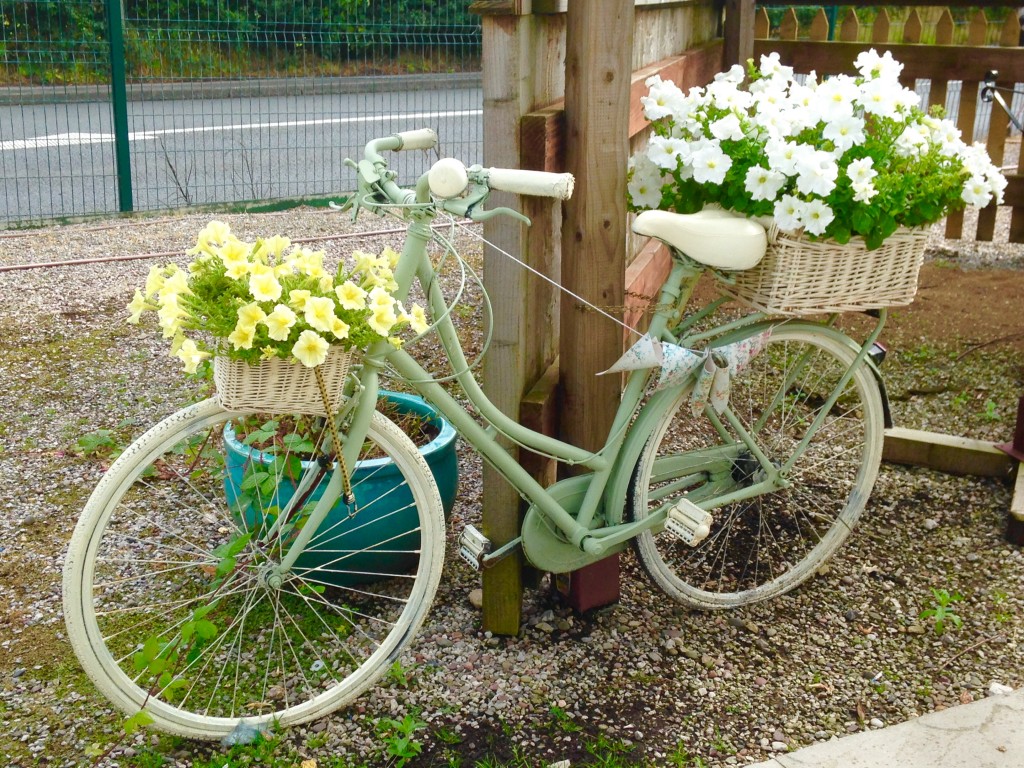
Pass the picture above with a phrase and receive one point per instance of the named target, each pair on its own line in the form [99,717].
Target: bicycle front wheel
[761,547]
[173,602]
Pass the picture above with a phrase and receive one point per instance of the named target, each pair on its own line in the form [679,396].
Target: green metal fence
[146,104]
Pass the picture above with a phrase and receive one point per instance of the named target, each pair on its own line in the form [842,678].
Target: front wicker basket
[280,386]
[799,276]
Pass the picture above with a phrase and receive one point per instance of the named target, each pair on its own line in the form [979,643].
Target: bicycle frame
[595,529]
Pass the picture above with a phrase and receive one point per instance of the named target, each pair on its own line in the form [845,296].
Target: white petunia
[710,165]
[763,183]
[663,99]
[863,191]
[977,191]
[664,151]
[817,172]
[861,170]
[787,213]
[727,128]
[872,66]
[845,132]
[816,215]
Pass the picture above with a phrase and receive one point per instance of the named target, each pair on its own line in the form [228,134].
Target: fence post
[597,65]
[119,105]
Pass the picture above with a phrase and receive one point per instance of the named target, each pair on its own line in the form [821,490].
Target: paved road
[57,159]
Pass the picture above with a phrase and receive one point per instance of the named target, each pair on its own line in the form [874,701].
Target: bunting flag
[714,369]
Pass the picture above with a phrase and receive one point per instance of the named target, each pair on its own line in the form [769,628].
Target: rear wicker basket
[799,276]
[280,386]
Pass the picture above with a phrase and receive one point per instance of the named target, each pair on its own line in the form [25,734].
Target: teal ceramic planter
[377,542]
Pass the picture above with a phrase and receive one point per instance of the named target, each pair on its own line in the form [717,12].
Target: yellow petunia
[382,320]
[311,349]
[365,262]
[251,314]
[154,281]
[390,256]
[242,337]
[190,355]
[175,285]
[380,298]
[170,315]
[279,322]
[137,306]
[340,329]
[276,245]
[418,319]
[264,286]
[319,313]
[350,295]
[298,298]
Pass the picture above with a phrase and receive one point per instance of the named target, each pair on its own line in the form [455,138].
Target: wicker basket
[279,386]
[802,277]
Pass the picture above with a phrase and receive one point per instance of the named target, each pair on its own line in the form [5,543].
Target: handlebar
[447,179]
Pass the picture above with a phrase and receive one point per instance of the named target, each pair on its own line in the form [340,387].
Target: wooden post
[740,21]
[597,66]
[525,328]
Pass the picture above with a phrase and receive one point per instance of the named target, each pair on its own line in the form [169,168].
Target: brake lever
[479,214]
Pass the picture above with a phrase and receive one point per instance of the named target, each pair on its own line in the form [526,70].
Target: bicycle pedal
[473,545]
[688,522]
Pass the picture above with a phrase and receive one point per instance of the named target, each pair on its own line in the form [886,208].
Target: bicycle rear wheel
[761,547]
[172,602]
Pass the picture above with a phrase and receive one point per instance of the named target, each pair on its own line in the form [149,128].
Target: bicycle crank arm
[476,549]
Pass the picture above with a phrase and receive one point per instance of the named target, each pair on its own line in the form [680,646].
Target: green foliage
[400,746]
[400,675]
[940,613]
[57,41]
[98,443]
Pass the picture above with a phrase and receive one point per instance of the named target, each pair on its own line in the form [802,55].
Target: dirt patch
[973,307]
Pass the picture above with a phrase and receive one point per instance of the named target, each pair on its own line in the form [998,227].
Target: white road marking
[76,139]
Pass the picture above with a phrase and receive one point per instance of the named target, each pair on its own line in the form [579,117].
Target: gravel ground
[645,678]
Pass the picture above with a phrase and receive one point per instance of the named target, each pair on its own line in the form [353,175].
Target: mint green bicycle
[198,591]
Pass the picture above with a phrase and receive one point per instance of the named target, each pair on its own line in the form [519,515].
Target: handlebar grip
[538,183]
[422,138]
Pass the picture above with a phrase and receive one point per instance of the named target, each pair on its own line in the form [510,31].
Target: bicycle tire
[762,547]
[149,549]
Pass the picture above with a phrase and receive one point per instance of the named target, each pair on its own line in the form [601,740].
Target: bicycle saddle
[715,237]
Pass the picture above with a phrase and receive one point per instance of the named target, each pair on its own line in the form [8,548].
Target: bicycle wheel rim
[283,653]
[765,546]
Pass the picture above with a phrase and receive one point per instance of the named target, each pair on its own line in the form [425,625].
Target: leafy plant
[98,443]
[400,675]
[940,613]
[836,158]
[399,744]
[260,300]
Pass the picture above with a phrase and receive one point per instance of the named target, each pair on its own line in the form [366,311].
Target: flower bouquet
[841,160]
[269,312]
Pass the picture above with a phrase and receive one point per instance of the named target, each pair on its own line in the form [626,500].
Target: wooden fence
[923,39]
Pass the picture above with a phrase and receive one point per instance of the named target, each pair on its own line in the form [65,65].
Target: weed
[991,411]
[940,612]
[447,735]
[563,721]
[399,744]
[680,757]
[99,443]
[399,675]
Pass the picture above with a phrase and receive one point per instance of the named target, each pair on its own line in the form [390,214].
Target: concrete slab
[984,734]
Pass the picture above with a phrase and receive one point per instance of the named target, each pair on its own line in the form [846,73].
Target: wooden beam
[1015,521]
[919,61]
[542,132]
[644,278]
[739,31]
[946,453]
[598,55]
[539,411]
